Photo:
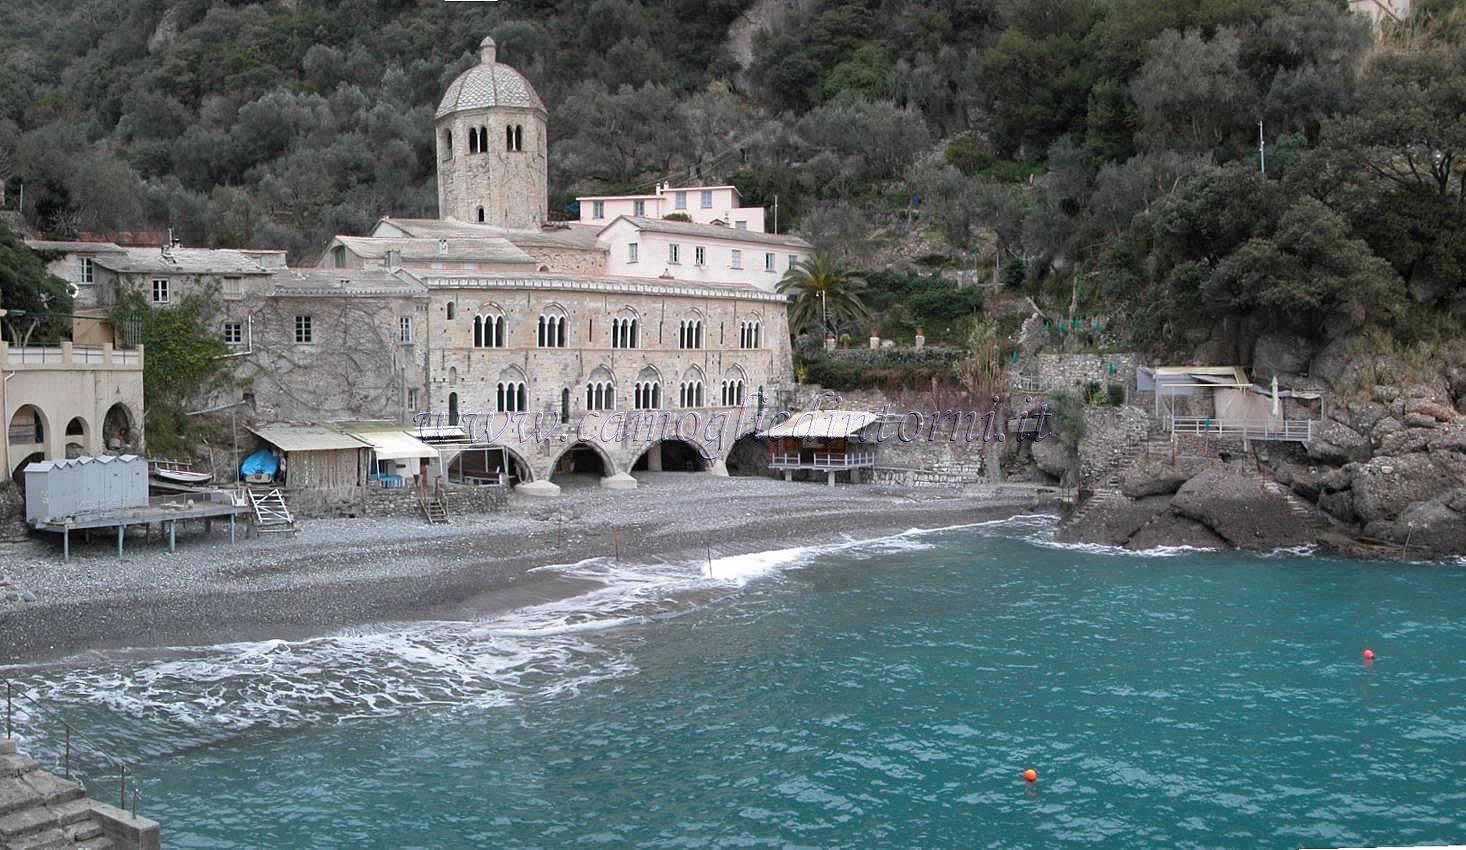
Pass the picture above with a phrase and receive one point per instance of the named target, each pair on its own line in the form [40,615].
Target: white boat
[183,476]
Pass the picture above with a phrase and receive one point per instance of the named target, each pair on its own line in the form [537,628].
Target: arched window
[450,309]
[452,408]
[510,394]
[452,376]
[473,140]
[689,334]
[564,405]
[480,215]
[625,331]
[749,334]
[488,331]
[508,138]
[647,394]
[550,332]
[732,388]
[519,137]
[483,139]
[447,144]
[338,256]
[689,392]
[600,390]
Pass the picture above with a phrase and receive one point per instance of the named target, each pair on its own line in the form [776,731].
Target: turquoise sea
[883,695]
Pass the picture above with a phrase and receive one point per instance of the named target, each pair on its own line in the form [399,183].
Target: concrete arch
[119,427]
[17,474]
[28,426]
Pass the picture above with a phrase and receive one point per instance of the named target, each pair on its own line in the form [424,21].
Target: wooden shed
[318,460]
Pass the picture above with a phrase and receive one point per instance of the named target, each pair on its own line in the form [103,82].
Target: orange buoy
[1030,775]
[1368,655]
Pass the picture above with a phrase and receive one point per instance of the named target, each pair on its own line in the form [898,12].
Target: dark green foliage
[887,368]
[182,366]
[907,302]
[28,290]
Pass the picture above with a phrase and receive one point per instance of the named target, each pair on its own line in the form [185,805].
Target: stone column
[654,457]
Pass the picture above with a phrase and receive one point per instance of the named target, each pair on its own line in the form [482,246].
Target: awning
[396,445]
[824,424]
[440,432]
[306,438]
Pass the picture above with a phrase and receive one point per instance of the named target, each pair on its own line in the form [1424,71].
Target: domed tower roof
[488,84]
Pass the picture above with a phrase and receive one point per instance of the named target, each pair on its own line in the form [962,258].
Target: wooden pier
[165,511]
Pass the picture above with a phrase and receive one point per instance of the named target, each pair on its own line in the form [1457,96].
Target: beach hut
[828,441]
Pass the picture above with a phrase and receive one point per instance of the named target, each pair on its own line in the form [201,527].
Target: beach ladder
[271,512]
[435,507]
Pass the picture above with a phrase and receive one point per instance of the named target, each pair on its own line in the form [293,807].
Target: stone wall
[1112,437]
[588,261]
[1070,371]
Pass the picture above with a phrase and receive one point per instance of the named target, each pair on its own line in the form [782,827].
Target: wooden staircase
[435,507]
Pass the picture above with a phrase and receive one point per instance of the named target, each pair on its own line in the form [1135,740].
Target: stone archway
[488,461]
[670,456]
[749,456]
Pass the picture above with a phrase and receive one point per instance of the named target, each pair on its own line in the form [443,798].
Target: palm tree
[824,295]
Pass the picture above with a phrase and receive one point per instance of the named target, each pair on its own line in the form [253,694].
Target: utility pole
[776,213]
[1261,150]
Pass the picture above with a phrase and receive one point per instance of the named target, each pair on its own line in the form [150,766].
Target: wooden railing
[1287,430]
[822,460]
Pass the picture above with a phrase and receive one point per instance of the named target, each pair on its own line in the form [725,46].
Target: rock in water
[1239,510]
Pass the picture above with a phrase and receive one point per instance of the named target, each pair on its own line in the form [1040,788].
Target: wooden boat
[183,476]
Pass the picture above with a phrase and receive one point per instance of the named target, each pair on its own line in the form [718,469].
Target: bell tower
[492,147]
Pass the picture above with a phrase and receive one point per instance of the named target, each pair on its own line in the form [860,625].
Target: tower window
[447,144]
[481,218]
[473,140]
[519,137]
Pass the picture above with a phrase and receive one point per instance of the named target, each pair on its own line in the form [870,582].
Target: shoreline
[337,575]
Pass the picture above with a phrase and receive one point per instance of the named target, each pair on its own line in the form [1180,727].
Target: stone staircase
[1307,514]
[39,811]
[435,510]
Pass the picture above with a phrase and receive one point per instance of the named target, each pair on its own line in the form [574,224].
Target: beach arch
[671,455]
[580,461]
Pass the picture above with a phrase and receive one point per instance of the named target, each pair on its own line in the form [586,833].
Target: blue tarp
[261,462]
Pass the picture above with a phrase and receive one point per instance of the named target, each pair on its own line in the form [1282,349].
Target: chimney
[394,259]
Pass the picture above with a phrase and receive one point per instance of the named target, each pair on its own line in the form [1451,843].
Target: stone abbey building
[619,342]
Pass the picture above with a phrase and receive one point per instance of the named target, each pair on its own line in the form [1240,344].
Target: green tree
[27,291]
[184,363]
[824,295]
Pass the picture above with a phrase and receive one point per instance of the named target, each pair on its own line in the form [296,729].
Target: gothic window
[483,139]
[564,405]
[550,333]
[508,138]
[600,391]
[689,334]
[473,140]
[488,331]
[519,137]
[647,395]
[624,332]
[689,392]
[732,388]
[510,395]
[749,334]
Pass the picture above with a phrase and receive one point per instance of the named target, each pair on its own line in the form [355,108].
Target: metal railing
[70,738]
[1287,430]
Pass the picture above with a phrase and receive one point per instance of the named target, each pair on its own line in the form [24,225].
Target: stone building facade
[492,147]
